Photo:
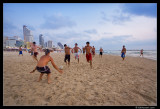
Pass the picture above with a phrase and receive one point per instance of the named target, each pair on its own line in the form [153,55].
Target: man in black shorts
[101,52]
[43,68]
[67,54]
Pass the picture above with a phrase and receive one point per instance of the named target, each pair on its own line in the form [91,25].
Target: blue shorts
[20,52]
[122,55]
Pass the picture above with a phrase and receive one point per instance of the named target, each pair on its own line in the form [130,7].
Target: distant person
[93,51]
[67,54]
[35,52]
[20,50]
[43,68]
[83,50]
[88,53]
[76,48]
[123,52]
[100,52]
[141,53]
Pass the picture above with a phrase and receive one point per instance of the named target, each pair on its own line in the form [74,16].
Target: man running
[88,53]
[100,52]
[34,49]
[76,51]
[20,50]
[93,51]
[141,53]
[123,52]
[43,68]
[67,54]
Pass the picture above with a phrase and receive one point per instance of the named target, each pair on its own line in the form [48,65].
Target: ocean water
[150,54]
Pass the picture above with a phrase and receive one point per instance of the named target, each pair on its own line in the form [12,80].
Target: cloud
[141,9]
[57,22]
[93,31]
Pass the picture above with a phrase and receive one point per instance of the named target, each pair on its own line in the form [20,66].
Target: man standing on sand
[34,49]
[88,53]
[123,52]
[67,54]
[43,68]
[83,50]
[93,51]
[100,52]
[76,51]
[20,50]
[141,52]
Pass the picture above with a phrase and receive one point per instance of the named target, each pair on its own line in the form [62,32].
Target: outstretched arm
[54,65]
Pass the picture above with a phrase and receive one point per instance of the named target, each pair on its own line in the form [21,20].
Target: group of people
[43,61]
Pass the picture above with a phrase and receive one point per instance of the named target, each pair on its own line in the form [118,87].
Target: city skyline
[107,25]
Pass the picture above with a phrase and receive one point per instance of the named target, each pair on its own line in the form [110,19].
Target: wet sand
[111,82]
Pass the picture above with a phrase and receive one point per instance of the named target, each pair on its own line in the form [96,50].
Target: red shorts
[89,57]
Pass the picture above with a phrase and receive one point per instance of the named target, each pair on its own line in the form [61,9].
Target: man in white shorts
[76,51]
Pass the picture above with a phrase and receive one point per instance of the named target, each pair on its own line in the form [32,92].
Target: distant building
[50,44]
[46,45]
[41,40]
[60,45]
[28,37]
[19,43]
[11,43]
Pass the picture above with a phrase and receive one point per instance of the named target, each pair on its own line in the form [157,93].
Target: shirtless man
[83,50]
[123,52]
[67,54]
[100,52]
[88,53]
[20,50]
[34,49]
[141,53]
[76,51]
[93,51]
[43,68]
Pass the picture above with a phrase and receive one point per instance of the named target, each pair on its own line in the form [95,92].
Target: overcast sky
[106,25]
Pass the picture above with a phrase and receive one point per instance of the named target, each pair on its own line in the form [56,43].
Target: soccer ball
[61,67]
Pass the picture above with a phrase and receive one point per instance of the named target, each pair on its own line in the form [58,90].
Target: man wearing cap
[76,51]
[123,52]
[43,68]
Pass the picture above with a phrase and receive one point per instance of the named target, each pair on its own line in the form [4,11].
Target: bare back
[88,49]
[20,49]
[43,61]
[34,48]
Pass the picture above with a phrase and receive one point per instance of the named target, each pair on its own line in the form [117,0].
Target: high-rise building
[46,45]
[60,45]
[41,40]
[28,37]
[50,44]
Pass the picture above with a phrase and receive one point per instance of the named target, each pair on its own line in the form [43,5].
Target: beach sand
[111,82]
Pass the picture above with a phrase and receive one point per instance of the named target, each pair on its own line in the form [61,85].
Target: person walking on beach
[20,50]
[93,51]
[76,48]
[141,53]
[123,52]
[34,49]
[100,52]
[88,53]
[67,54]
[43,68]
